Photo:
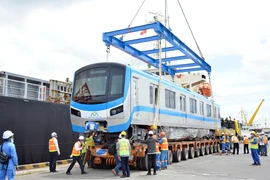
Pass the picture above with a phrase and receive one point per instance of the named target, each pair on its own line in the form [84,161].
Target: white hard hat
[232,134]
[150,132]
[222,133]
[7,134]
[262,133]
[81,138]
[120,136]
[54,134]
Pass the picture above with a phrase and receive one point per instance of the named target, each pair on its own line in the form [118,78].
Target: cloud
[52,39]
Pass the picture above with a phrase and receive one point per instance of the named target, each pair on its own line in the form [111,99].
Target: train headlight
[116,110]
[75,112]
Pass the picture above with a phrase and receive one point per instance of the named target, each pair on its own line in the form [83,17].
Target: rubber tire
[184,154]
[191,153]
[170,157]
[196,153]
[210,149]
[144,163]
[177,156]
[202,151]
[206,150]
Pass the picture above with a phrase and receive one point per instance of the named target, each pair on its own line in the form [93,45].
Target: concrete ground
[208,167]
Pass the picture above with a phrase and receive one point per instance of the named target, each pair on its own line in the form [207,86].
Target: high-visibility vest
[157,148]
[246,140]
[253,146]
[265,139]
[123,147]
[164,144]
[235,139]
[74,151]
[223,141]
[52,145]
[83,148]
[227,139]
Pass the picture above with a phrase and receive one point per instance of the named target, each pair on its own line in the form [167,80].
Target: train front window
[99,85]
[91,86]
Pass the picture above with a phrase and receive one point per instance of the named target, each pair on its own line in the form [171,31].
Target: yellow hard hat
[123,133]
[253,132]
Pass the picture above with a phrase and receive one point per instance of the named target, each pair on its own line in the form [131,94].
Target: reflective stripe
[52,146]
[157,148]
[74,151]
[123,147]
[246,140]
[164,145]
[253,146]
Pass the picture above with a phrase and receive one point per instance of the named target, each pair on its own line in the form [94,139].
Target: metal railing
[25,90]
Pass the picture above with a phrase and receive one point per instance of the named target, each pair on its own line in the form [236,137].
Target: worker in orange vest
[164,151]
[158,165]
[77,155]
[54,151]
[235,144]
[246,142]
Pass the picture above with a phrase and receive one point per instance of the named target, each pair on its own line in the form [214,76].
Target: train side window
[201,108]
[181,103]
[156,95]
[208,110]
[193,105]
[215,112]
[184,103]
[151,94]
[169,99]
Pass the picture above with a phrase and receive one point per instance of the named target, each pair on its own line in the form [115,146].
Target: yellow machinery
[254,114]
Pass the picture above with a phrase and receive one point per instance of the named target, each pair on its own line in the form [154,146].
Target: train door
[153,100]
[183,108]
[135,98]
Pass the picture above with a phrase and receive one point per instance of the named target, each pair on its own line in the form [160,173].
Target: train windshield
[98,85]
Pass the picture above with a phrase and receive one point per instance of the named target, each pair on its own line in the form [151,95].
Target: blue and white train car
[118,97]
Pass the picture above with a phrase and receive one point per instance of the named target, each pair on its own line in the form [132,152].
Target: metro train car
[111,97]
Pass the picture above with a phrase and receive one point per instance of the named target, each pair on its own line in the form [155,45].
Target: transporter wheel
[177,156]
[197,152]
[210,149]
[97,166]
[184,154]
[191,153]
[206,150]
[202,151]
[170,157]
[144,163]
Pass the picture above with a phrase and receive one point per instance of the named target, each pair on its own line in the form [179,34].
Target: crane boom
[254,114]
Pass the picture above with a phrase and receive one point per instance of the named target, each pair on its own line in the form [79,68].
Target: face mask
[12,140]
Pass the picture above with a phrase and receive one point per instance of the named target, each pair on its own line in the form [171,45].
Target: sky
[50,39]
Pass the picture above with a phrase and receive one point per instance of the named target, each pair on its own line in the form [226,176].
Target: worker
[89,145]
[228,143]
[158,165]
[266,145]
[246,142]
[7,169]
[76,156]
[115,170]
[235,144]
[223,143]
[124,151]
[151,152]
[83,155]
[54,151]
[263,144]
[254,149]
[164,151]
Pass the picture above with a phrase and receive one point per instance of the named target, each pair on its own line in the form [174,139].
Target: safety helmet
[232,134]
[222,133]
[119,137]
[54,134]
[123,133]
[262,133]
[162,134]
[150,132]
[252,132]
[7,134]
[81,138]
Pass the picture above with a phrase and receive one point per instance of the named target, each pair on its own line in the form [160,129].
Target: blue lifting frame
[162,32]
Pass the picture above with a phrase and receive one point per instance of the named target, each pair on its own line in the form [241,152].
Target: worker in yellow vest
[158,165]
[246,142]
[164,151]
[54,151]
[223,143]
[89,144]
[228,143]
[235,144]
[76,155]
[124,150]
[254,149]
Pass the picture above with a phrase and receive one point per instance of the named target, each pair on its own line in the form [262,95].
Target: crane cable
[190,30]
